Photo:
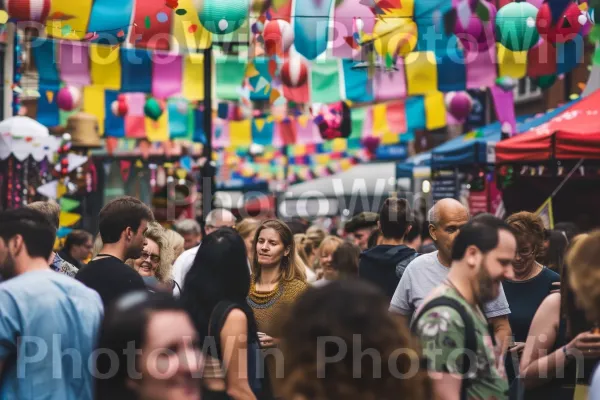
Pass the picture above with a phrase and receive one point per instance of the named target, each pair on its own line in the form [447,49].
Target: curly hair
[349,311]
[157,234]
[529,227]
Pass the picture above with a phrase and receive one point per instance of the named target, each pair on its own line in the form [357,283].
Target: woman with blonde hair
[156,260]
[176,241]
[247,228]
[278,276]
[324,255]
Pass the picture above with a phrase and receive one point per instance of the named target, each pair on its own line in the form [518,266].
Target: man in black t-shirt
[123,223]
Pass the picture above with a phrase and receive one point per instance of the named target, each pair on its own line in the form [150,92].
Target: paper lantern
[294,72]
[153,109]
[459,104]
[395,36]
[278,36]
[224,16]
[68,98]
[566,28]
[516,26]
[334,120]
[545,81]
[28,10]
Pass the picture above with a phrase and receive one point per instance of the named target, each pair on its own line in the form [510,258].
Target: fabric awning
[573,134]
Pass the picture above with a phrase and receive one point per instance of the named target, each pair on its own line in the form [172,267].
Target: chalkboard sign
[444,186]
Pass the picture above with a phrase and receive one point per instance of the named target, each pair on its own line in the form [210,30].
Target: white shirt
[310,275]
[182,267]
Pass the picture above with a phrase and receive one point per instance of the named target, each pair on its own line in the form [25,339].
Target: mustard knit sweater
[268,306]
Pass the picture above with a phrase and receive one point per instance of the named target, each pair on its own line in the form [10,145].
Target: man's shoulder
[420,262]
[187,256]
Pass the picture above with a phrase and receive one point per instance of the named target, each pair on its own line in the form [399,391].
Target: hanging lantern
[224,16]
[28,10]
[278,36]
[515,26]
[459,104]
[294,72]
[395,36]
[68,98]
[153,109]
[566,28]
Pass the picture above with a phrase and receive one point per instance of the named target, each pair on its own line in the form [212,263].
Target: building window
[526,90]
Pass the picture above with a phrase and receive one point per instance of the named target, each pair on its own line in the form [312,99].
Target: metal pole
[208,170]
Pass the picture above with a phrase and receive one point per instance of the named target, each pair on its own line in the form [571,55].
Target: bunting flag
[546,214]
[111,19]
[435,111]
[421,73]
[73,63]
[157,131]
[193,77]
[74,28]
[390,85]
[167,74]
[136,70]
[68,219]
[325,82]
[105,66]
[94,104]
[67,204]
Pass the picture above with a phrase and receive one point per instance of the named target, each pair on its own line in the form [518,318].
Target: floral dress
[442,334]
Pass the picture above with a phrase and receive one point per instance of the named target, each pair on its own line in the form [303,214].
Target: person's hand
[266,341]
[555,288]
[587,343]
[517,348]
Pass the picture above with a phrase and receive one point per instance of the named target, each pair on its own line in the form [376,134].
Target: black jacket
[384,265]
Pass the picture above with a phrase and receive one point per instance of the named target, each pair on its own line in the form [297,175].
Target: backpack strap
[470,345]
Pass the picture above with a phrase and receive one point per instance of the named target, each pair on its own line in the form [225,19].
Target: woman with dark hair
[346,310]
[559,331]
[214,294]
[555,250]
[149,351]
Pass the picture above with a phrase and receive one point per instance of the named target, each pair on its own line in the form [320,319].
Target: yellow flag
[546,213]
[193,77]
[240,133]
[74,28]
[421,72]
[435,111]
[68,219]
[93,103]
[158,131]
[105,66]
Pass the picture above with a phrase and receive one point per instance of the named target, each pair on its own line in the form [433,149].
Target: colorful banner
[167,75]
[105,66]
[73,63]
[75,28]
[152,21]
[111,19]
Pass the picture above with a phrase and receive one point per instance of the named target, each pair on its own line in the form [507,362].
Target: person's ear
[473,257]
[432,232]
[128,232]
[287,251]
[15,245]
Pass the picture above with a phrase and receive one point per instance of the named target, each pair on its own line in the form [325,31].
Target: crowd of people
[438,306]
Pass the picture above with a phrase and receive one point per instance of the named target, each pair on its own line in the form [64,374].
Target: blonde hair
[176,241]
[304,247]
[97,246]
[316,235]
[291,265]
[247,227]
[583,261]
[157,234]
[330,243]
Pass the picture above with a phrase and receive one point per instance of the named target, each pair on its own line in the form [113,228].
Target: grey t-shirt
[424,274]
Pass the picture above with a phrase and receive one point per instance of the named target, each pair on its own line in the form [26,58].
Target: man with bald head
[217,218]
[428,271]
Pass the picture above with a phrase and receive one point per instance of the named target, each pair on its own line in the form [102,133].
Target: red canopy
[573,134]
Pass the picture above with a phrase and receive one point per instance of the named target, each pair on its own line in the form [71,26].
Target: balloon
[279,36]
[153,109]
[395,36]
[566,28]
[545,81]
[119,108]
[224,16]
[459,104]
[515,26]
[68,98]
[294,72]
[28,10]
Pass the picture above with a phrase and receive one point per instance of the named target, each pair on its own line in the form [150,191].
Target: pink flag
[135,126]
[343,24]
[481,69]
[504,104]
[73,63]
[220,133]
[390,85]
[167,71]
